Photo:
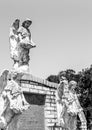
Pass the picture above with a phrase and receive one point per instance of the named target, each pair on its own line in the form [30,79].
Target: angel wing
[3,80]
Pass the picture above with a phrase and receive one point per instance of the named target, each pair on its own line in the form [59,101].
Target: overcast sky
[61,29]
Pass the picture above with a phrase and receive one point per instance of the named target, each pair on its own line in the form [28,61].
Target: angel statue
[74,105]
[21,43]
[61,101]
[12,100]
[68,106]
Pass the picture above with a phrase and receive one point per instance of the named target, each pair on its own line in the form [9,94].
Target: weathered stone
[3,80]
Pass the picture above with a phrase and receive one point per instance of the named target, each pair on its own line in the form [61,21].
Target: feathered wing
[3,80]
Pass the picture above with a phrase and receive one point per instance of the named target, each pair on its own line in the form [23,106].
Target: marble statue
[62,103]
[68,106]
[12,100]
[75,107]
[21,43]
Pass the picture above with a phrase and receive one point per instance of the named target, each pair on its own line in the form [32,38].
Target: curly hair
[23,24]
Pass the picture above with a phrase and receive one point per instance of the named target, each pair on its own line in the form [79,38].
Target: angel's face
[73,88]
[27,24]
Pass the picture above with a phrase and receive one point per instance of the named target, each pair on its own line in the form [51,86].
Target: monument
[30,103]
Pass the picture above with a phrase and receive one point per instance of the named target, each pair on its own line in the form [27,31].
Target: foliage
[53,78]
[69,74]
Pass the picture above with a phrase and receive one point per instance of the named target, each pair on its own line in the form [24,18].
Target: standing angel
[68,106]
[21,43]
[12,100]
[74,105]
[61,100]
[25,45]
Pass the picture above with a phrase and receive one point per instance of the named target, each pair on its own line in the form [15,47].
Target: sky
[61,29]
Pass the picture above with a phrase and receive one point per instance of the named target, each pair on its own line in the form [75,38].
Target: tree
[69,74]
[53,78]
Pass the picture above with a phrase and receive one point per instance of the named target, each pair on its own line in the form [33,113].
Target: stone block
[33,90]
[26,89]
[47,104]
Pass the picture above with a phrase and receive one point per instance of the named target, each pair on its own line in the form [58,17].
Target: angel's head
[26,24]
[63,87]
[72,85]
